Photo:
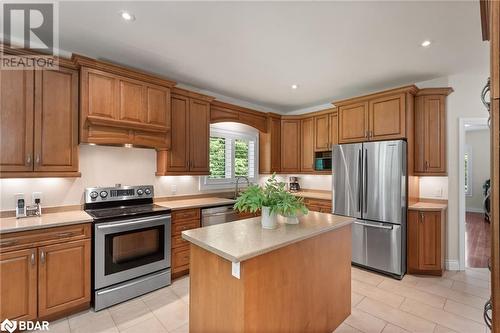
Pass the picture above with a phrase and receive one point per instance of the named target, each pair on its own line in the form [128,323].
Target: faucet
[236,187]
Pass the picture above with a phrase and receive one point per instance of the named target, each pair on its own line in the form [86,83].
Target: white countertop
[11,224]
[241,240]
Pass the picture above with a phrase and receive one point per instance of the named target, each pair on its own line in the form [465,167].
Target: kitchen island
[296,278]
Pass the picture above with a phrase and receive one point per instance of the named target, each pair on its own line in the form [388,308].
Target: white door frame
[461,180]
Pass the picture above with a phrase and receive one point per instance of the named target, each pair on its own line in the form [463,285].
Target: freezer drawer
[379,246]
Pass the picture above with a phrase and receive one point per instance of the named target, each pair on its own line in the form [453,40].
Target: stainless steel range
[131,243]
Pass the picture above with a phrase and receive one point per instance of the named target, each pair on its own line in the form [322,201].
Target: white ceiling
[255,51]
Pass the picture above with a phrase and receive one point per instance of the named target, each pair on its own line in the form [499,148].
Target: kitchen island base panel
[303,287]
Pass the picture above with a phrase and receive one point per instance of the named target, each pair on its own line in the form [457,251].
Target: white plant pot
[291,219]
[268,220]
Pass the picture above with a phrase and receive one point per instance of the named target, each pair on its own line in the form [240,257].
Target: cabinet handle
[28,159]
[37,159]
[42,257]
[366,134]
[421,217]
[32,258]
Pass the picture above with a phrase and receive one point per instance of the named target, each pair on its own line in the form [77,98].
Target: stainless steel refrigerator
[369,183]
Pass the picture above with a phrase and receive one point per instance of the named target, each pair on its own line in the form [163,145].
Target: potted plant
[272,199]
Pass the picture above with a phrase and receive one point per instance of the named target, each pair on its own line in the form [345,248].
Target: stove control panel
[102,194]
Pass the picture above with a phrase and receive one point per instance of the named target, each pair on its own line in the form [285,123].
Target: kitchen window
[232,154]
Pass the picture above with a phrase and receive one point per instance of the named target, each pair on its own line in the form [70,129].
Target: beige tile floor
[452,303]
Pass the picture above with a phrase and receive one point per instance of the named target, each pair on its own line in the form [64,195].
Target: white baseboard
[452,265]
[474,210]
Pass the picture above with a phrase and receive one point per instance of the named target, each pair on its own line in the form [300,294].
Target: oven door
[127,249]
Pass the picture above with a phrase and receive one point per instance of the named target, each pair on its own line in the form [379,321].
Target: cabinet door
[353,123]
[158,106]
[199,135]
[56,120]
[322,133]
[420,141]
[63,276]
[307,145]
[99,94]
[429,241]
[132,105]
[275,145]
[435,134]
[413,241]
[290,145]
[16,120]
[178,160]
[387,118]
[18,285]
[334,130]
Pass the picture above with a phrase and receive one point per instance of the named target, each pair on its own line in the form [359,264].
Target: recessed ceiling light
[127,16]
[426,43]
[295,86]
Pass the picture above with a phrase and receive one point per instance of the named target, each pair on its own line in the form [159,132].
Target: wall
[479,142]
[463,102]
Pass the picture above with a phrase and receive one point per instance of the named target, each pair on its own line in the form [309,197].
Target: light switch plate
[173,189]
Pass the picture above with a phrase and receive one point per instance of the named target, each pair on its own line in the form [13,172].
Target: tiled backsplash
[434,187]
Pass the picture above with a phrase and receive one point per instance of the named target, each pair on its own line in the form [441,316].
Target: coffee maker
[293,184]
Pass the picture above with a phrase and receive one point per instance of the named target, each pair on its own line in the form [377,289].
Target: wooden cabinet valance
[122,106]
[225,112]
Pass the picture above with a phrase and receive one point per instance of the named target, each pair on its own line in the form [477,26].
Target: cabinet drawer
[177,228]
[318,202]
[178,241]
[180,257]
[47,236]
[185,214]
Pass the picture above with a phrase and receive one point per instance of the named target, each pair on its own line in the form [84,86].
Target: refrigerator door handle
[365,180]
[360,170]
[373,225]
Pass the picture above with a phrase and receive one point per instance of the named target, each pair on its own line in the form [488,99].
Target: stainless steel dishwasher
[217,215]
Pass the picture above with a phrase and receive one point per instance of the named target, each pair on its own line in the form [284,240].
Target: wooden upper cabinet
[120,105]
[387,117]
[16,120]
[270,146]
[325,131]
[430,131]
[353,122]
[381,116]
[56,120]
[307,145]
[178,156]
[199,129]
[290,145]
[334,129]
[18,284]
[39,123]
[426,242]
[322,132]
[189,136]
[63,276]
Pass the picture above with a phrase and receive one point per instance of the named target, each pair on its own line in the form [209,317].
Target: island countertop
[244,239]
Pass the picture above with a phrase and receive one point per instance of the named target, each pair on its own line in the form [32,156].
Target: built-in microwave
[323,163]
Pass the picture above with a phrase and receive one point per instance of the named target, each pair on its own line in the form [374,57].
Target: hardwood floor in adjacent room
[477,237]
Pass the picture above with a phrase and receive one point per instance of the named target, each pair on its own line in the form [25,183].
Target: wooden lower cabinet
[426,242]
[18,284]
[63,276]
[318,205]
[46,278]
[183,219]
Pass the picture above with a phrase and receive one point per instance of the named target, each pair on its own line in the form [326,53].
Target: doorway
[474,192]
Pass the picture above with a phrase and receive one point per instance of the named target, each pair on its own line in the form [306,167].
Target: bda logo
[8,325]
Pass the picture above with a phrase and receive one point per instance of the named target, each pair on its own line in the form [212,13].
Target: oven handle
[133,222]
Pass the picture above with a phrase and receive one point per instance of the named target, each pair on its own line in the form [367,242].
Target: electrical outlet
[438,192]
[35,196]
[173,189]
